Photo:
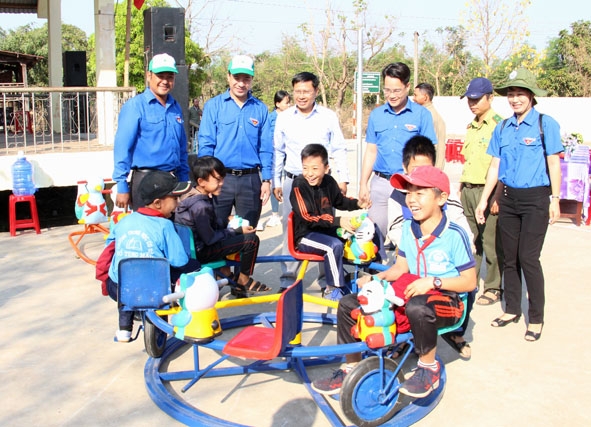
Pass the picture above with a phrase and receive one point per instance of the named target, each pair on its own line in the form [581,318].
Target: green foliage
[195,57]
[568,63]
[34,41]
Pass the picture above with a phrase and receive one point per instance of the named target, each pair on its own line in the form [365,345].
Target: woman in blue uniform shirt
[525,150]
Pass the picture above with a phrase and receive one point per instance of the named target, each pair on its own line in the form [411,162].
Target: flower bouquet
[570,142]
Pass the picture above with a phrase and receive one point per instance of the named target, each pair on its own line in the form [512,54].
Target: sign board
[370,82]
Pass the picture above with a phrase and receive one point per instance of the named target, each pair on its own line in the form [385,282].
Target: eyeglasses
[303,92]
[394,91]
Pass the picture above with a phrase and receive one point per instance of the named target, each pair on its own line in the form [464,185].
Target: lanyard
[421,254]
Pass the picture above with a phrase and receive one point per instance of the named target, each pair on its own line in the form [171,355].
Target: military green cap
[521,78]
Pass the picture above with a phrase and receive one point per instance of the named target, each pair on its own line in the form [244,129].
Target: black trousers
[523,222]
[243,193]
[426,314]
[246,244]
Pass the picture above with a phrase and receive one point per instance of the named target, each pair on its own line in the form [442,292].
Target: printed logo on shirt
[325,203]
[410,127]
[179,119]
[254,122]
[528,140]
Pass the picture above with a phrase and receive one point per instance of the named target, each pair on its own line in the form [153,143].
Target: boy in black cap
[148,233]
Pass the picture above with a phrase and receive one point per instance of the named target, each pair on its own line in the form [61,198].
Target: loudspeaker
[164,32]
[180,92]
[74,63]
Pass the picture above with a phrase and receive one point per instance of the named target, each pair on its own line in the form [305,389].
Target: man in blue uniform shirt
[234,128]
[150,134]
[388,129]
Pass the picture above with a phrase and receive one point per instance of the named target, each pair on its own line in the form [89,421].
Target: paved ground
[60,366]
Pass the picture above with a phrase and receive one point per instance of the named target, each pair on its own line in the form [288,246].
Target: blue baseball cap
[477,88]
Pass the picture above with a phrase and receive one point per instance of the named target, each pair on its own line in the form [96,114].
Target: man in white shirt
[304,123]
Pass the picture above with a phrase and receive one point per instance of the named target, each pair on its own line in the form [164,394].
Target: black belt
[147,170]
[383,175]
[468,185]
[240,172]
[290,175]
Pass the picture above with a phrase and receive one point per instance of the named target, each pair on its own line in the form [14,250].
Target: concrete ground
[60,366]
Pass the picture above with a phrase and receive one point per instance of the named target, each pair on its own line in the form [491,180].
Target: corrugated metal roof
[18,6]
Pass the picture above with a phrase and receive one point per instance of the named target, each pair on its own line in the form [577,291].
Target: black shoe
[499,323]
[533,336]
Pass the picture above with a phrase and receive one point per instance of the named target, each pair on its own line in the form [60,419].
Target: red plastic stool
[32,222]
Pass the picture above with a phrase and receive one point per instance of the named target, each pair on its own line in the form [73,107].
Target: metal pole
[359,114]
[416,79]
[127,44]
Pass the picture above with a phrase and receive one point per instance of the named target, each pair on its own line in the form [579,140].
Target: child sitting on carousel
[213,241]
[434,249]
[314,196]
[148,233]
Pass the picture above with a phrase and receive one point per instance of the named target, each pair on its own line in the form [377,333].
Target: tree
[34,41]
[568,63]
[334,53]
[497,28]
[195,58]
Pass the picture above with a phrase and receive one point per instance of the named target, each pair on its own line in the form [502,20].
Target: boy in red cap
[439,252]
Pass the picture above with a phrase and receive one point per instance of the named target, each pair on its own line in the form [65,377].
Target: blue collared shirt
[390,131]
[447,256]
[519,147]
[150,136]
[294,130]
[239,137]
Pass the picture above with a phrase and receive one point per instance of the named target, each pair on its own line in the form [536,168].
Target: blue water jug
[22,176]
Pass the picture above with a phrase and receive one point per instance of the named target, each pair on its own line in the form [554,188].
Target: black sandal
[255,286]
[462,347]
[239,291]
[485,299]
[399,350]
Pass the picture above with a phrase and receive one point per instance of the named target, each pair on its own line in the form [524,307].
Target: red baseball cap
[422,176]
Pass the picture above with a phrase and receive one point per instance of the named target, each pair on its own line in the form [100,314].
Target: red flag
[138,4]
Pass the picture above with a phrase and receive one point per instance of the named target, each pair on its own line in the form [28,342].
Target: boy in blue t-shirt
[439,252]
[149,233]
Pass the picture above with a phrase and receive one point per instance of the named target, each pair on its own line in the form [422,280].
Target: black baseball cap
[158,184]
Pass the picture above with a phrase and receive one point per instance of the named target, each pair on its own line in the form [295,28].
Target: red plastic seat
[262,343]
[301,256]
[32,222]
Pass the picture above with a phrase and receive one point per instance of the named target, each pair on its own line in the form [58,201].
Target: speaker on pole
[164,32]
[75,104]
[74,63]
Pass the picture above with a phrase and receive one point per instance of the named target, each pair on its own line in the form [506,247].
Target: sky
[262,23]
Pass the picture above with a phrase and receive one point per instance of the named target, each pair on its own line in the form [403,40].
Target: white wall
[60,169]
[573,114]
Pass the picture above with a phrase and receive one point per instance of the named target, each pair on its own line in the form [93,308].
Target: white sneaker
[274,221]
[123,336]
[261,225]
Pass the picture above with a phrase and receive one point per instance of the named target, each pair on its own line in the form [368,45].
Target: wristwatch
[437,283]
[267,180]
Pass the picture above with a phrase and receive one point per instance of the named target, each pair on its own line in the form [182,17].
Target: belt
[383,175]
[146,170]
[290,175]
[468,185]
[240,172]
